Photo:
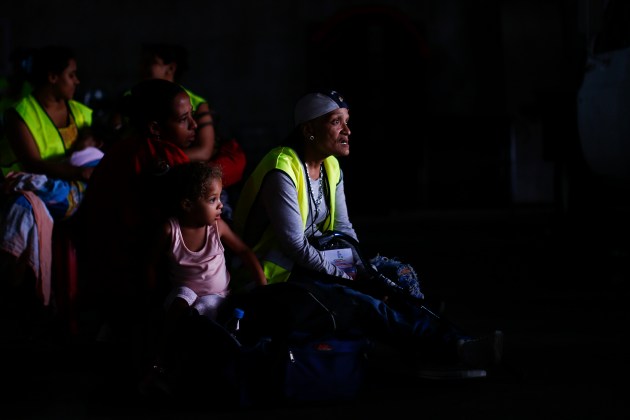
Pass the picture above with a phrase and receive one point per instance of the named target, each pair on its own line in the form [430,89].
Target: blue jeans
[312,303]
[409,326]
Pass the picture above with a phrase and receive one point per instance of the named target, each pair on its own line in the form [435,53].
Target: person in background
[43,126]
[40,131]
[294,195]
[170,62]
[192,243]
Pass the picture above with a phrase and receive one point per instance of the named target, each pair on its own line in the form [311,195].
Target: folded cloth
[60,196]
[27,229]
[207,305]
[18,181]
[89,156]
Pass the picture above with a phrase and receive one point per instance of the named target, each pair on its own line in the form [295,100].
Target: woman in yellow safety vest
[39,182]
[42,127]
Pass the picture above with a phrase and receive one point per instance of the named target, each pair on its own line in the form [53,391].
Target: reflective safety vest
[275,264]
[195,100]
[46,135]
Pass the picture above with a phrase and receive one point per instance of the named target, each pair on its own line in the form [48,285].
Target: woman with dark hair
[122,207]
[42,126]
[41,130]
[170,62]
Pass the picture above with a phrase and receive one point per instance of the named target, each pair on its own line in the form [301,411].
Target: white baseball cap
[316,104]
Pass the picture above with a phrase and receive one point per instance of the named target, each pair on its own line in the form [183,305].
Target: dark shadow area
[381,65]
[556,285]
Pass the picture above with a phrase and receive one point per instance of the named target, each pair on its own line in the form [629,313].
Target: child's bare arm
[244,252]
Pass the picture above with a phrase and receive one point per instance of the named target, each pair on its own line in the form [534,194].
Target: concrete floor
[557,285]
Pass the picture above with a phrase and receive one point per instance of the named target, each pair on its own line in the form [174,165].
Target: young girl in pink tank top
[192,243]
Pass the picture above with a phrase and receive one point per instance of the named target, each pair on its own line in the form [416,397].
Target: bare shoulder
[223,227]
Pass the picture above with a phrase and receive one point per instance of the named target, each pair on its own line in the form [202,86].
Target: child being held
[86,150]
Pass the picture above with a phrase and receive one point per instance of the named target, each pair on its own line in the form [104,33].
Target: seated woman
[123,207]
[41,130]
[170,62]
[294,195]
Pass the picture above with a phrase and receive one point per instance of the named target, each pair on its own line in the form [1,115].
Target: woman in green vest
[294,195]
[40,184]
[42,127]
[297,192]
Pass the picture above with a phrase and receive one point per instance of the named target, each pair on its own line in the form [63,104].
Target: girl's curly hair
[189,181]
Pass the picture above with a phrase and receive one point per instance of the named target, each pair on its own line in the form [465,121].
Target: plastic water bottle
[234,323]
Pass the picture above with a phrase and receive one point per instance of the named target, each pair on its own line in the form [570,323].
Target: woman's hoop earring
[311,138]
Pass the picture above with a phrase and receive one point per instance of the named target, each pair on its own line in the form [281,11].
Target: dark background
[477,154]
[456,104]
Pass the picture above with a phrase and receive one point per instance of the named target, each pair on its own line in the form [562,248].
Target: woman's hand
[10,180]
